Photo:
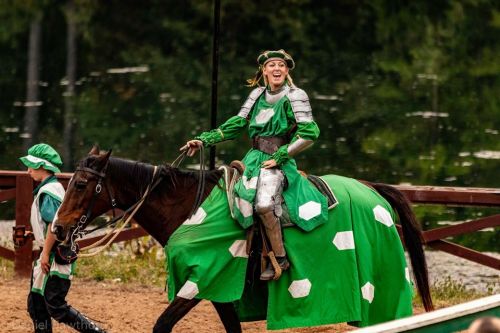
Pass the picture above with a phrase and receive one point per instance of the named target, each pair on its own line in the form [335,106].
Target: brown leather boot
[272,227]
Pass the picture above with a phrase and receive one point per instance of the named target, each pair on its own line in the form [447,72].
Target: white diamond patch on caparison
[309,210]
[239,248]
[368,292]
[344,240]
[244,207]
[300,288]
[197,218]
[189,290]
[383,216]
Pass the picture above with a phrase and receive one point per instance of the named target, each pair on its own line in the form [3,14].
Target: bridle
[98,188]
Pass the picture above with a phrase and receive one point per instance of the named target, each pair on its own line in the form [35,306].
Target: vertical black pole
[215,75]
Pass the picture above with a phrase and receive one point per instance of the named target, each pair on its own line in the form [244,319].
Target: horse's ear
[101,160]
[94,150]
[108,154]
[104,157]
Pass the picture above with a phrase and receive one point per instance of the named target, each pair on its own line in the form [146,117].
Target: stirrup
[275,267]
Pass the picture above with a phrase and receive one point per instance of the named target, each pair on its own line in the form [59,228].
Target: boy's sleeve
[48,207]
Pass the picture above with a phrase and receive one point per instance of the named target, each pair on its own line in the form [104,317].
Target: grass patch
[6,269]
[125,265]
[450,292]
[447,292]
[130,262]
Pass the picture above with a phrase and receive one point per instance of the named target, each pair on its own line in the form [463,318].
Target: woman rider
[280,123]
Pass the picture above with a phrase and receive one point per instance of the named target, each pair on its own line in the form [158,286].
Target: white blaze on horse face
[189,290]
[300,288]
[383,216]
[344,240]
[368,292]
[197,218]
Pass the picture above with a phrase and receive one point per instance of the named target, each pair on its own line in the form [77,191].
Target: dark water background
[403,92]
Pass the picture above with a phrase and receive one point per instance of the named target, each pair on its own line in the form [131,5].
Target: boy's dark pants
[53,304]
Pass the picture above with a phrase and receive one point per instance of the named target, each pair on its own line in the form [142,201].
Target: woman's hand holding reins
[192,147]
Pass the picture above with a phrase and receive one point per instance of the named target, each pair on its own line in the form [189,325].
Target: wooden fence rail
[455,196]
[18,186]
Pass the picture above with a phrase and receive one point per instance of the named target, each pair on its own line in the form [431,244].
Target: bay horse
[169,204]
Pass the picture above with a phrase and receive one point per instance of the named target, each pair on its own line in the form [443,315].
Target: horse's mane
[178,175]
[139,174]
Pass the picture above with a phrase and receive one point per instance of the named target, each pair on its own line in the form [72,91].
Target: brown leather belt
[268,144]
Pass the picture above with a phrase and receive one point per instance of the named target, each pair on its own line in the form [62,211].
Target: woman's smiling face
[275,72]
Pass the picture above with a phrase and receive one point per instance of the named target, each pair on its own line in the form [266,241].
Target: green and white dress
[307,207]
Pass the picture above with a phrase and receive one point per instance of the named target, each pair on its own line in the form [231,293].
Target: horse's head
[86,196]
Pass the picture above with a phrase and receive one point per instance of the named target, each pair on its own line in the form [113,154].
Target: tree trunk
[69,96]
[30,130]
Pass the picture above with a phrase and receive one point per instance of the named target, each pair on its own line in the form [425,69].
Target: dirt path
[122,308]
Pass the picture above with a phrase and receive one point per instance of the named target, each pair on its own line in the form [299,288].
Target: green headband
[267,56]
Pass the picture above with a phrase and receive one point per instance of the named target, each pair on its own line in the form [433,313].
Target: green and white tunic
[48,197]
[306,205]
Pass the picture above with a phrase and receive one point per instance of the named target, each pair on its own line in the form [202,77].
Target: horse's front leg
[173,313]
[229,317]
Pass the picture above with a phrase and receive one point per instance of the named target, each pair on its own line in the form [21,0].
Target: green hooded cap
[42,155]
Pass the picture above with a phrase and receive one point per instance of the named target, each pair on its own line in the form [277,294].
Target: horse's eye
[81,185]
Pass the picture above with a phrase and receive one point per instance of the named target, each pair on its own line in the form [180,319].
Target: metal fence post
[23,256]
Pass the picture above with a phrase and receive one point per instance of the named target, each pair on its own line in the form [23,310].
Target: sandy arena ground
[122,308]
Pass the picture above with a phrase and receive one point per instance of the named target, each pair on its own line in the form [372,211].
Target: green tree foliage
[403,92]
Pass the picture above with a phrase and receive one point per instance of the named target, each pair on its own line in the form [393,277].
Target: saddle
[317,181]
[237,168]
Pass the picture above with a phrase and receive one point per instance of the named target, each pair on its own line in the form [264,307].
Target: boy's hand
[44,262]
